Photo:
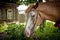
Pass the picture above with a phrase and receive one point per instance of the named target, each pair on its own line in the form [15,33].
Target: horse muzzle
[27,33]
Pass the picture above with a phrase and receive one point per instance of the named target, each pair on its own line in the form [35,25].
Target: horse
[37,13]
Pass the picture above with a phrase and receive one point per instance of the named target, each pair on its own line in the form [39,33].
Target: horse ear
[36,5]
[32,6]
[29,8]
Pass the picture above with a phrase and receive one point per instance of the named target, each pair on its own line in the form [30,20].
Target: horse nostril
[27,33]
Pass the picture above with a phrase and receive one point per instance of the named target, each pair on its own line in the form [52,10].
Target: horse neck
[48,11]
[48,17]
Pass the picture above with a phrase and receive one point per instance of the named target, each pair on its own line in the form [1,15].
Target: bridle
[38,13]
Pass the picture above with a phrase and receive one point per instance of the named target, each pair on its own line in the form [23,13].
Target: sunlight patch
[50,21]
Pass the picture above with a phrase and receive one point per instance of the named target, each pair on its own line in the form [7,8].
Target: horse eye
[33,15]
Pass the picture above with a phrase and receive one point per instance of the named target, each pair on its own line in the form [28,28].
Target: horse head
[33,20]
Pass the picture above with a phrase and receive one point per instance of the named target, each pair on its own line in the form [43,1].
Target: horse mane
[32,6]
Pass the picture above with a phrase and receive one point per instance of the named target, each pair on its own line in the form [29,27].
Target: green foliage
[16,32]
[11,1]
[3,27]
[49,32]
[30,1]
[19,2]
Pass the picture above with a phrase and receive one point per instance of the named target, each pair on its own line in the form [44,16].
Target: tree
[26,2]
[19,2]
[10,1]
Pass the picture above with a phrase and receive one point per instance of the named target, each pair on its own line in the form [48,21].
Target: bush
[49,32]
[16,32]
[3,27]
